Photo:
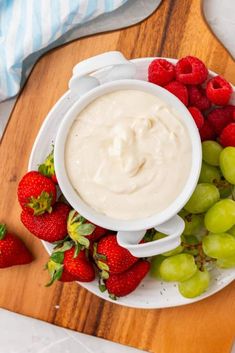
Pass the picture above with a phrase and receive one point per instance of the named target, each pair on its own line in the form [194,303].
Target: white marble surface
[20,334]
[220,15]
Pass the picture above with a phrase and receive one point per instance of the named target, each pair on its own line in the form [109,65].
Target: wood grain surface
[176,29]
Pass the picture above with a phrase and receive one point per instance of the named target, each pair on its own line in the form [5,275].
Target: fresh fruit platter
[80,251]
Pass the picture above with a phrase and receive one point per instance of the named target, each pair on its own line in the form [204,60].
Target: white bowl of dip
[128,158]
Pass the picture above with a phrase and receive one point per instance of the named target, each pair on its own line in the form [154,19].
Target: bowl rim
[74,198]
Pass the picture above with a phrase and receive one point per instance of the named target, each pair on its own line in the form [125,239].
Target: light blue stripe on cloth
[55,19]
[107,5]
[91,8]
[71,15]
[30,27]
[37,24]
[6,10]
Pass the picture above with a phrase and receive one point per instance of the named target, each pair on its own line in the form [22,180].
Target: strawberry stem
[112,296]
[102,286]
[47,168]
[3,230]
[78,229]
[41,204]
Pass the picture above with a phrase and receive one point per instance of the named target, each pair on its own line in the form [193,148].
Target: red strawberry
[54,179]
[80,266]
[47,168]
[12,250]
[48,226]
[121,284]
[111,257]
[36,193]
[67,266]
[67,277]
[97,233]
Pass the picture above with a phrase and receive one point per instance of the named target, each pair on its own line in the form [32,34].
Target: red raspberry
[220,117]
[197,116]
[179,90]
[161,72]
[197,97]
[191,71]
[218,90]
[207,132]
[227,137]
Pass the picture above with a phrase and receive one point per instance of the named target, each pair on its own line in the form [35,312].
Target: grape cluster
[208,239]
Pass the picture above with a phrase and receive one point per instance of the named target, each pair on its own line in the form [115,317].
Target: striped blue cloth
[28,28]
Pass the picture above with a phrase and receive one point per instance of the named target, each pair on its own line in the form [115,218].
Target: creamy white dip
[128,154]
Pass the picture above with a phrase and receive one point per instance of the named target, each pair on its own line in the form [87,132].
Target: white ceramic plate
[151,294]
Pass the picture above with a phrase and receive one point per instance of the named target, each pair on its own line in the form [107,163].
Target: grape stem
[201,259]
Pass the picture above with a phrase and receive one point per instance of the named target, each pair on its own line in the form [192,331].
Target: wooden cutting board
[176,29]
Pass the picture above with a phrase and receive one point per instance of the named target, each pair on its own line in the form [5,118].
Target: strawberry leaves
[79,229]
[102,286]
[62,247]
[104,273]
[47,168]
[55,267]
[104,269]
[55,264]
[41,203]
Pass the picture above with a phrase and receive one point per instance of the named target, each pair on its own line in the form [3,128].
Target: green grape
[152,235]
[219,245]
[175,251]
[227,262]
[211,152]
[159,235]
[232,231]
[233,193]
[212,175]
[220,217]
[178,267]
[209,174]
[227,164]
[191,240]
[203,197]
[193,222]
[155,264]
[196,285]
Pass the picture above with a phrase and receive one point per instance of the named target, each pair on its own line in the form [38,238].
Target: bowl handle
[100,69]
[174,227]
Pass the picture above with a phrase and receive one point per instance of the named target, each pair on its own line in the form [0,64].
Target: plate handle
[100,69]
[174,227]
